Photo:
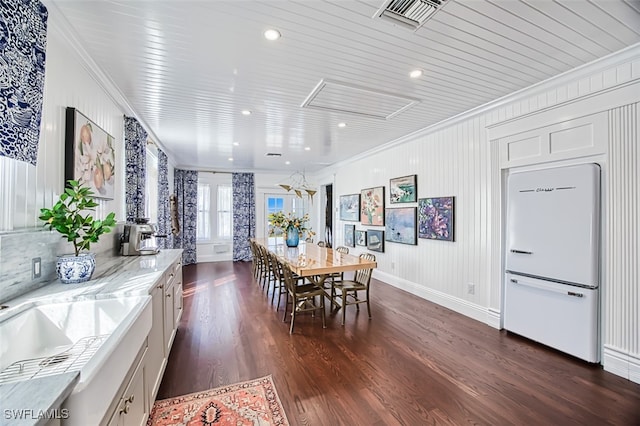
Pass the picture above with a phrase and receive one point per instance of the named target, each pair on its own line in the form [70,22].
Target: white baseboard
[621,363]
[461,306]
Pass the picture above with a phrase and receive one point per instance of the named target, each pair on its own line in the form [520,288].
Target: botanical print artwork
[375,240]
[435,218]
[403,189]
[350,207]
[372,206]
[361,238]
[401,225]
[23,45]
[93,157]
[349,235]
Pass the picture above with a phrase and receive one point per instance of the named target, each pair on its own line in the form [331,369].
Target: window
[215,220]
[204,212]
[151,186]
[224,211]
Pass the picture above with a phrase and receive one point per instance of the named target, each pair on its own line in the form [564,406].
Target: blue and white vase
[73,269]
[293,237]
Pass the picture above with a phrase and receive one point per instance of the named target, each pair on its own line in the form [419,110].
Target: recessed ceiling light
[230,158]
[287,162]
[341,125]
[415,74]
[236,144]
[307,148]
[246,112]
[272,34]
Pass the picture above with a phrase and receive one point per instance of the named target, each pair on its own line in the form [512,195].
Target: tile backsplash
[17,249]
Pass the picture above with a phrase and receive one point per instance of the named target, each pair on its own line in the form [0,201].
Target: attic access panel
[329,95]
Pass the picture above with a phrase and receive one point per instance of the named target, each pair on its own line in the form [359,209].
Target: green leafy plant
[283,221]
[70,218]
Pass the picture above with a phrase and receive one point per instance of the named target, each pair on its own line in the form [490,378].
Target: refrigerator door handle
[555,288]
[521,251]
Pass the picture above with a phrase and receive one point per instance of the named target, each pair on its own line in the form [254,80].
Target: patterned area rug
[248,403]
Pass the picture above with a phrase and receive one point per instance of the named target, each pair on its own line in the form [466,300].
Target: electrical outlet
[393,266]
[471,288]
[36,270]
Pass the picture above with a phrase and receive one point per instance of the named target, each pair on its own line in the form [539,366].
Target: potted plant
[70,217]
[293,227]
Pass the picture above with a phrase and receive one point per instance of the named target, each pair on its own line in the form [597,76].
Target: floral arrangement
[283,221]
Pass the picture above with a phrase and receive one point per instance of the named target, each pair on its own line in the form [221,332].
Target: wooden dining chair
[338,276]
[303,297]
[348,290]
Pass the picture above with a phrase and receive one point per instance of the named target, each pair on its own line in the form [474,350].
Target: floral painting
[361,238]
[350,207]
[403,189]
[90,154]
[401,225]
[435,218]
[372,206]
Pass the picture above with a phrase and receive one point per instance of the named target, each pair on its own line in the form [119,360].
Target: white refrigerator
[552,258]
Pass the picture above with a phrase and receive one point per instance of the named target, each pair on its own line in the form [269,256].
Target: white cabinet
[172,304]
[155,356]
[166,300]
[133,406]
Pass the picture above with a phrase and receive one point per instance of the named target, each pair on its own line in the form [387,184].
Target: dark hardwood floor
[414,363]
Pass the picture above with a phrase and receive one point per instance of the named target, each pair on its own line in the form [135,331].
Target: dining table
[313,262]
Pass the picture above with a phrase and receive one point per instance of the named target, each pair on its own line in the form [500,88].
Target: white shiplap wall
[622,273]
[24,188]
[453,161]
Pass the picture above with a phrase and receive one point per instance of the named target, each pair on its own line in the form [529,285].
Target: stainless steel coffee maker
[139,239]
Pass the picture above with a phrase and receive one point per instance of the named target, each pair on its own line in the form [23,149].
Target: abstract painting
[375,240]
[372,206]
[90,155]
[361,238]
[435,218]
[350,207]
[349,235]
[401,225]
[403,189]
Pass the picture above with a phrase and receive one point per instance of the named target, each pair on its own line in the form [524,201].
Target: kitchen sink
[95,337]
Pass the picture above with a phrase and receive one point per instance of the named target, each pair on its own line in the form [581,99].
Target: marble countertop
[114,277]
[35,401]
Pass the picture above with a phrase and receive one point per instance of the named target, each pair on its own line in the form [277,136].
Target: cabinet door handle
[160,286]
[169,295]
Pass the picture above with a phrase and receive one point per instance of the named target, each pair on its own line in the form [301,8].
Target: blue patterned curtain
[186,188]
[164,214]
[23,43]
[135,143]
[244,214]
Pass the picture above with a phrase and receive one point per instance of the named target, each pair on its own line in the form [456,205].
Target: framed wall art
[361,238]
[350,207]
[349,235]
[372,206]
[401,225]
[90,155]
[403,189]
[375,240]
[435,218]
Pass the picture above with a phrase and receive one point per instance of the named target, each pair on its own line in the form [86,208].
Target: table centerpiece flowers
[293,227]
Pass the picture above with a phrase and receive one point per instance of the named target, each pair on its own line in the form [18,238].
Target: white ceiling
[188,68]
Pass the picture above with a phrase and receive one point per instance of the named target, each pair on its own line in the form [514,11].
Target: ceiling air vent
[409,13]
[273,154]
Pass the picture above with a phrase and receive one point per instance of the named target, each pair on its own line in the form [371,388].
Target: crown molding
[614,59]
